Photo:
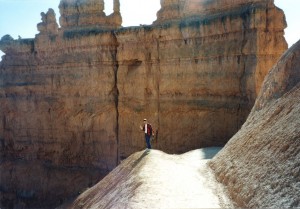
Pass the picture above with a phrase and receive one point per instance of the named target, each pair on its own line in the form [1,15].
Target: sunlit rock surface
[260,165]
[200,75]
[175,10]
[88,14]
[153,179]
[72,98]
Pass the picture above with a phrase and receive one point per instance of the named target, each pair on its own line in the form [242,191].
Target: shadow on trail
[145,153]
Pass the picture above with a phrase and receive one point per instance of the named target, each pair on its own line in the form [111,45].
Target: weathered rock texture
[174,10]
[48,26]
[79,14]
[195,79]
[72,99]
[260,165]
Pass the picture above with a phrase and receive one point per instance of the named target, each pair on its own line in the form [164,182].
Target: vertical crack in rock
[116,93]
[78,12]
[245,55]
[158,90]
[267,20]
[4,122]
[244,59]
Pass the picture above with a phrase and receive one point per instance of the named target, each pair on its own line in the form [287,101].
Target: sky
[20,17]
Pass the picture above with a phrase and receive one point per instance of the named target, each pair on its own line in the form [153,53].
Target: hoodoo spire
[117,6]
[83,14]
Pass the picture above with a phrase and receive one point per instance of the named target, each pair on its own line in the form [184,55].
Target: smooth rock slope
[260,165]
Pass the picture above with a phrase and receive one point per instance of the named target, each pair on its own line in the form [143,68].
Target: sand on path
[154,179]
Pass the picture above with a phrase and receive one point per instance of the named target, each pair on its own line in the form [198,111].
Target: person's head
[145,121]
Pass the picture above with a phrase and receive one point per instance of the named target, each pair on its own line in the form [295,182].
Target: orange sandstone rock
[88,14]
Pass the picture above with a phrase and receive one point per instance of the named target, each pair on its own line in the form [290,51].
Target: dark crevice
[78,12]
[267,20]
[116,94]
[158,91]
[241,60]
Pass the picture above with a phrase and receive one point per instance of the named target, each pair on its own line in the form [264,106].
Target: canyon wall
[72,98]
[196,79]
[260,165]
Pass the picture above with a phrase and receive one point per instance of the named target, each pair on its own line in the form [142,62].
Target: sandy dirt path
[153,179]
[178,181]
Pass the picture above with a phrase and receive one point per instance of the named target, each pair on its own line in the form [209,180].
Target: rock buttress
[58,117]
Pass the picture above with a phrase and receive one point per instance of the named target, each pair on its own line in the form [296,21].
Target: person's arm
[142,128]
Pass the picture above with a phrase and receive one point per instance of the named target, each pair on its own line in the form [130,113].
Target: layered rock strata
[174,10]
[200,76]
[260,164]
[72,99]
[79,14]
[58,117]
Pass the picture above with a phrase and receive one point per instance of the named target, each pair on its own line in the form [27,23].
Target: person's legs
[148,141]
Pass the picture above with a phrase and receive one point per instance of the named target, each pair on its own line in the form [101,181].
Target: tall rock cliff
[260,165]
[195,78]
[72,98]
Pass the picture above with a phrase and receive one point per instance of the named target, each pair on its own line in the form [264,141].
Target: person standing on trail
[147,128]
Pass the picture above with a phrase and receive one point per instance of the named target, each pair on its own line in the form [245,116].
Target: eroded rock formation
[48,26]
[260,164]
[175,10]
[78,14]
[72,99]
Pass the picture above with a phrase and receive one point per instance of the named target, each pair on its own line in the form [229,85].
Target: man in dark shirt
[147,128]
